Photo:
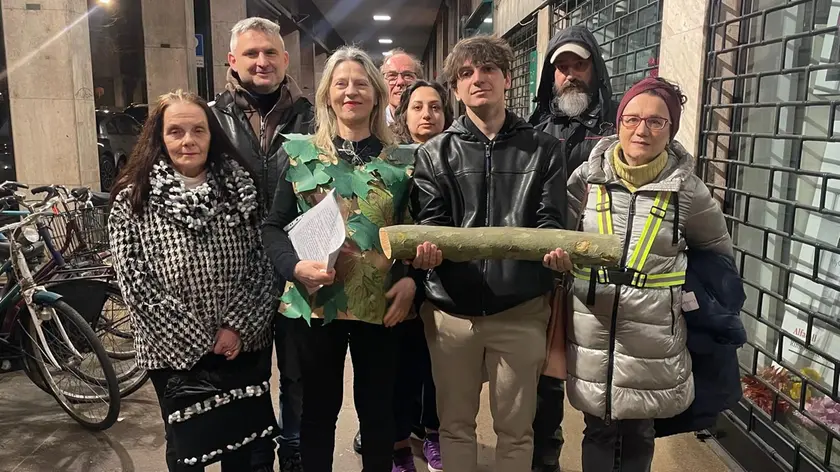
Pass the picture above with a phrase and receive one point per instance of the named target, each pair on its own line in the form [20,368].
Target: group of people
[199,229]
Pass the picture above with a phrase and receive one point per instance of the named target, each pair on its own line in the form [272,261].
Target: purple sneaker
[403,461]
[431,450]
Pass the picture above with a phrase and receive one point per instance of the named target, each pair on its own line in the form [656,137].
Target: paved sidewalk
[37,436]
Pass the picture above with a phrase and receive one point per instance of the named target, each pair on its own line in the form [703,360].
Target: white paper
[689,302]
[318,234]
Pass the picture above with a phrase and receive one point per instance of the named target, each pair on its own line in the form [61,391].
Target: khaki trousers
[508,349]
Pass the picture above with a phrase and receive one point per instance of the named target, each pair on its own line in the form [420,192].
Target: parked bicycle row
[62,317]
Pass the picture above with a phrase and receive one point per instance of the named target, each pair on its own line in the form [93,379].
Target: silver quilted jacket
[627,356]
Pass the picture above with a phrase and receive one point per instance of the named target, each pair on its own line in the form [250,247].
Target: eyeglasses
[391,77]
[653,123]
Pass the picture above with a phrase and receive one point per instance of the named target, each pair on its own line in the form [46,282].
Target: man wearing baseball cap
[575,105]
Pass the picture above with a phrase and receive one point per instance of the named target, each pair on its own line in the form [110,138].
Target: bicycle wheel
[115,331]
[94,405]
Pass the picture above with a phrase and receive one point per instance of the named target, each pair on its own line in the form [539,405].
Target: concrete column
[292,41]
[543,38]
[223,15]
[306,79]
[682,59]
[51,92]
[320,63]
[169,38]
[508,14]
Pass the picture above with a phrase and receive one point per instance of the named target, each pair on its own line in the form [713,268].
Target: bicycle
[87,282]
[44,328]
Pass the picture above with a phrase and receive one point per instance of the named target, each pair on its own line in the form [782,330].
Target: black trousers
[414,389]
[323,353]
[237,461]
[548,430]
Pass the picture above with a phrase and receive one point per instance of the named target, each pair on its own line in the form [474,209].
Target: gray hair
[255,23]
[418,66]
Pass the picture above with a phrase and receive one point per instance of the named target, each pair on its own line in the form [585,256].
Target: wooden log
[529,244]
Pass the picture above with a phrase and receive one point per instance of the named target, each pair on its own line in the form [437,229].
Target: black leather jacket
[269,166]
[463,179]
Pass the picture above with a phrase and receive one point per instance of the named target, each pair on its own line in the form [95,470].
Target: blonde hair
[326,123]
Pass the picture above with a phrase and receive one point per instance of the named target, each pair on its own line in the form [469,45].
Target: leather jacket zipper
[488,150]
[264,148]
[631,212]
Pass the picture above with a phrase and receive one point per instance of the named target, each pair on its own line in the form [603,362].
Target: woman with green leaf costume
[354,153]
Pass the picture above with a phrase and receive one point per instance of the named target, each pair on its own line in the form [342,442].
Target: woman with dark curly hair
[423,113]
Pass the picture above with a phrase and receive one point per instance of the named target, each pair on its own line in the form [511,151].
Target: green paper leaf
[318,173]
[403,154]
[293,304]
[365,286]
[301,176]
[361,183]
[333,300]
[363,232]
[301,147]
[341,173]
[378,207]
[390,174]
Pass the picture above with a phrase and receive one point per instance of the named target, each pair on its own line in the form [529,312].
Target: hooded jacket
[464,179]
[626,343]
[259,138]
[578,134]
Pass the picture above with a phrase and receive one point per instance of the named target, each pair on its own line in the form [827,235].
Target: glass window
[777,152]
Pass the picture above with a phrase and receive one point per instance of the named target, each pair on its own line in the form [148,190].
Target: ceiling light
[385,41]
[387,53]
[488,20]
[381,18]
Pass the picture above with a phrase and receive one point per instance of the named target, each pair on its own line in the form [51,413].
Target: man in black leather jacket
[575,105]
[260,104]
[489,169]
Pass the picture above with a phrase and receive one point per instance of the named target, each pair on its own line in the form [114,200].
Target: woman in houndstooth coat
[184,229]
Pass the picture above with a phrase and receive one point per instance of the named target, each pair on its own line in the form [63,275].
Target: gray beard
[572,102]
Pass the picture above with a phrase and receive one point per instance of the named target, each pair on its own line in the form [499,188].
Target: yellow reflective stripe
[669,279]
[649,232]
[603,206]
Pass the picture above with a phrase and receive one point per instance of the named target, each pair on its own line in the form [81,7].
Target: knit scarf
[235,199]
[638,176]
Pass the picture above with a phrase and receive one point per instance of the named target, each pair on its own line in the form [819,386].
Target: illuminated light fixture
[381,18]
[105,2]
[385,41]
[488,20]
[387,53]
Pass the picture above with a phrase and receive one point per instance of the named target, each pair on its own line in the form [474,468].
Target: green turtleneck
[637,176]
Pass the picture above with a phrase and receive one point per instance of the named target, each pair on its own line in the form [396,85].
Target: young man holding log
[490,169]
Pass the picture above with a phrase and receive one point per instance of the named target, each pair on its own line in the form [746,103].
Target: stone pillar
[320,63]
[292,41]
[306,79]
[223,15]
[169,38]
[51,92]
[682,59]
[543,38]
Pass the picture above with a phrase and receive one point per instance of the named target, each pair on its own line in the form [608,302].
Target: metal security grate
[523,70]
[771,140]
[627,30]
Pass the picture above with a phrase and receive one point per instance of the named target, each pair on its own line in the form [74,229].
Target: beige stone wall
[223,15]
[169,38]
[682,58]
[306,79]
[508,13]
[51,92]
[292,41]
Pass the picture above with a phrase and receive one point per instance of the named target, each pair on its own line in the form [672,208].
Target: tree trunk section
[528,244]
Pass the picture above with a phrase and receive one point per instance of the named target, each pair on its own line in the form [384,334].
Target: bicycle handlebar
[28,219]
[50,190]
[11,185]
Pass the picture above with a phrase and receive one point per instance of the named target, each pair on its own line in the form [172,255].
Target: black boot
[357,442]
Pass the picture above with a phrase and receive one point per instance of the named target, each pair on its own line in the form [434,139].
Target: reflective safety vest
[631,272]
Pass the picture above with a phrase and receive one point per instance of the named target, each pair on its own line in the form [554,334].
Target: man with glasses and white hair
[260,104]
[400,70]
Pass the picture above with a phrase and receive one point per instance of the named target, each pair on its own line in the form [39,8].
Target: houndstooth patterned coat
[192,263]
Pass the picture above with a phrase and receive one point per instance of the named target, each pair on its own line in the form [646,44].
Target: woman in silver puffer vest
[626,350]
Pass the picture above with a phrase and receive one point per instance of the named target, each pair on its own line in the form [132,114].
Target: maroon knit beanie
[661,90]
